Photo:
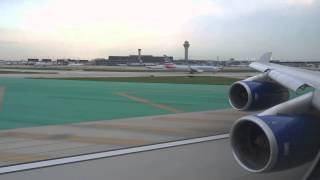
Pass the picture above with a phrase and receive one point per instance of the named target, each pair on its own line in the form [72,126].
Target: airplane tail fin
[265,58]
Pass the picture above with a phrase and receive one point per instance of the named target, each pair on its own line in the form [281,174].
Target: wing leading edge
[290,77]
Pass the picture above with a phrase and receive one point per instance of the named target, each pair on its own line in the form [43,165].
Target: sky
[87,29]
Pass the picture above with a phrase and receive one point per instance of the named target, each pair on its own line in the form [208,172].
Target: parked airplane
[284,135]
[192,68]
[187,68]
[156,67]
[75,64]
[42,63]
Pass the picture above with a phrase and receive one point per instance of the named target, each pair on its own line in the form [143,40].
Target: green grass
[39,102]
[208,80]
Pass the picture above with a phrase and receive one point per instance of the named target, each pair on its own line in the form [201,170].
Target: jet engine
[275,142]
[256,95]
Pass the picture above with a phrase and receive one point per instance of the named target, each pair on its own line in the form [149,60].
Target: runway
[205,160]
[48,142]
[106,154]
[202,161]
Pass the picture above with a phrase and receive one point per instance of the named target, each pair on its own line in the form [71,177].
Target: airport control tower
[186,46]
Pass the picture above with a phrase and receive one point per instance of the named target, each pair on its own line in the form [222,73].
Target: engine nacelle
[272,143]
[256,95]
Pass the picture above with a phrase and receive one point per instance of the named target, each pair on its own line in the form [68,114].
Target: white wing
[290,77]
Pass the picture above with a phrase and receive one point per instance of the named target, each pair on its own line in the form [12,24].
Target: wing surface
[290,77]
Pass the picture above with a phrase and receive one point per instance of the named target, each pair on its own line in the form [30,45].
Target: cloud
[238,8]
[165,14]
[5,43]
[106,23]
[301,2]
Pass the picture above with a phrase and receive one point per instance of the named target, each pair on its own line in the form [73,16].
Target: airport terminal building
[134,60]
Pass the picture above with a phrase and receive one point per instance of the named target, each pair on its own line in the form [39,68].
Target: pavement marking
[150,103]
[106,154]
[2,91]
[75,138]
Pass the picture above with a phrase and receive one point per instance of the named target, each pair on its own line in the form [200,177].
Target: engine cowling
[272,143]
[256,95]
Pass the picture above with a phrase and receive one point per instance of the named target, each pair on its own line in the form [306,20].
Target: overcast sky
[99,28]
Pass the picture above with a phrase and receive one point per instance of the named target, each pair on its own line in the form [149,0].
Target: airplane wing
[285,134]
[290,77]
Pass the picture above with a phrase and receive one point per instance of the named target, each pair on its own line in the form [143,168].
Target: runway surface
[47,142]
[203,161]
[107,154]
[206,160]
